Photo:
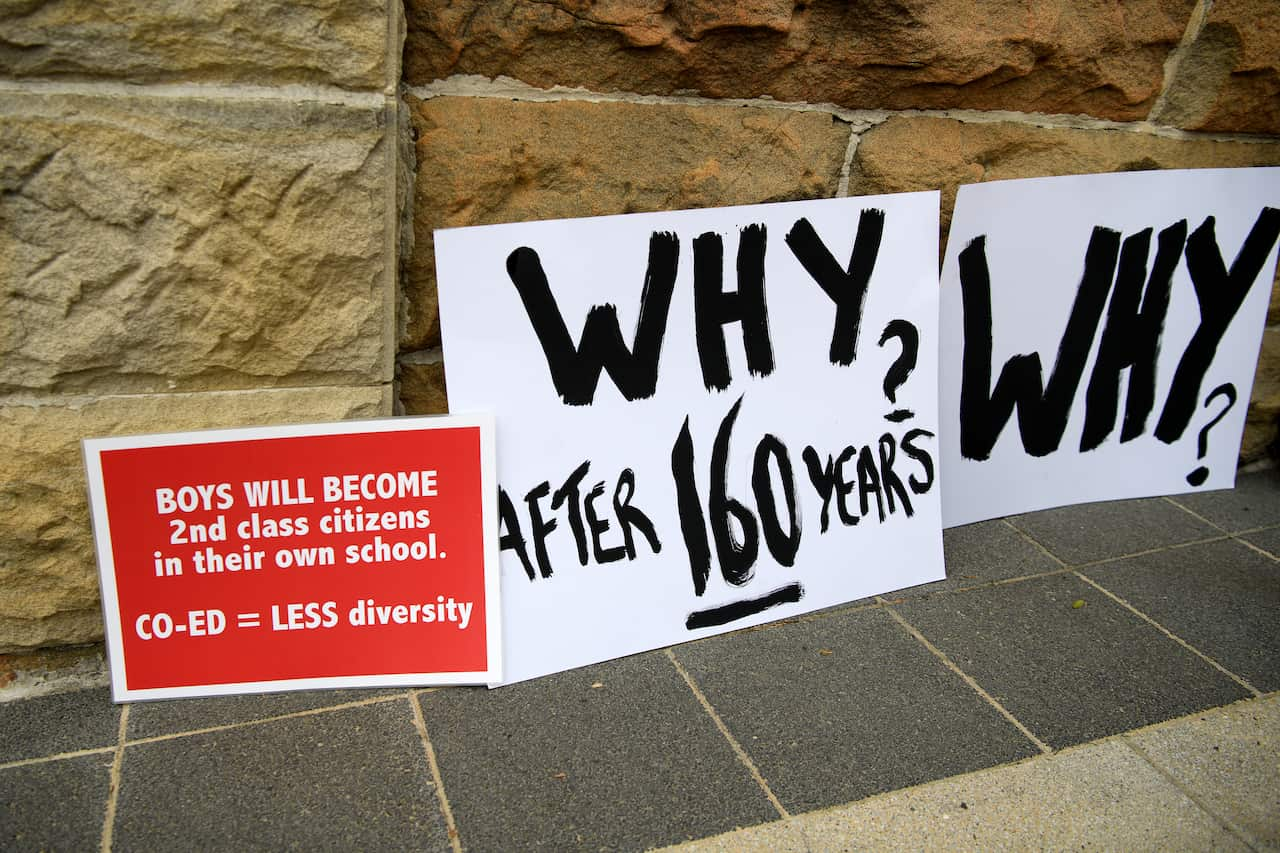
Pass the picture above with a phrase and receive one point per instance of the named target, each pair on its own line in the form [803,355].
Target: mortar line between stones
[1136,612]
[968,679]
[420,723]
[54,398]
[396,26]
[505,88]
[850,151]
[1195,23]
[724,730]
[1222,820]
[113,791]
[196,91]
[390,239]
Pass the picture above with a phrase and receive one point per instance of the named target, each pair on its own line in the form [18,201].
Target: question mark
[1227,390]
[902,366]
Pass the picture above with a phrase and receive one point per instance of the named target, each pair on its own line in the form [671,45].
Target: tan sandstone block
[483,161]
[422,389]
[177,244]
[1229,77]
[906,154]
[47,567]
[1057,56]
[1261,425]
[265,42]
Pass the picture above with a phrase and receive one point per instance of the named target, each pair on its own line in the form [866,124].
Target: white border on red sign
[92,449]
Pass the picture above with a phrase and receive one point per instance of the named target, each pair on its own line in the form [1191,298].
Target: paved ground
[1024,702]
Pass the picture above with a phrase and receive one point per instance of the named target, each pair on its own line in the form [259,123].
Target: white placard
[687,490]
[1123,314]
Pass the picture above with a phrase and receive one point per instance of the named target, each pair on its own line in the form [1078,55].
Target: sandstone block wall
[526,110]
[199,226]
[221,213]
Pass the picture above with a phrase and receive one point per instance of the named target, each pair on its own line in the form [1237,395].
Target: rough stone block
[1262,424]
[47,565]
[1228,79]
[1053,56]
[483,161]
[241,41]
[157,244]
[916,153]
[905,154]
[422,389]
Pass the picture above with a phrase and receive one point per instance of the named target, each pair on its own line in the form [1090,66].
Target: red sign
[340,555]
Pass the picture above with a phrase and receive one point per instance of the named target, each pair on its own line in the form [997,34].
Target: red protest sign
[336,555]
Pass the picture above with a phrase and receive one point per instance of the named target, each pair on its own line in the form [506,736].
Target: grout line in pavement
[1191,512]
[113,792]
[1264,552]
[1223,537]
[1222,820]
[61,756]
[886,600]
[1176,546]
[309,712]
[968,679]
[420,723]
[724,730]
[1034,541]
[1172,636]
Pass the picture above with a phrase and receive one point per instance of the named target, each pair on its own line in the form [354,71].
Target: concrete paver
[62,722]
[1230,613]
[981,553]
[1084,533]
[1070,674]
[1253,503]
[1229,760]
[56,805]
[349,779]
[620,755]
[846,706]
[1102,795]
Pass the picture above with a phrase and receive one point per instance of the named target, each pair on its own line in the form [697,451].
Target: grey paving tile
[1098,531]
[352,779]
[55,805]
[1254,502]
[63,722]
[980,553]
[148,719]
[558,764]
[1221,597]
[1268,540]
[836,709]
[1068,674]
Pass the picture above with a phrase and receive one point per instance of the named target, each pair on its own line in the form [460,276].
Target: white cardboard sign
[1099,335]
[707,419]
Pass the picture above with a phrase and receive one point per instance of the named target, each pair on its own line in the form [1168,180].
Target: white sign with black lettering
[707,419]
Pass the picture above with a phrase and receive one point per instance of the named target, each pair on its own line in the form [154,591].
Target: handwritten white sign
[1099,335]
[707,419]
